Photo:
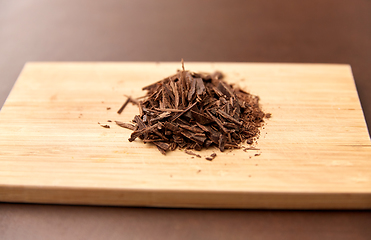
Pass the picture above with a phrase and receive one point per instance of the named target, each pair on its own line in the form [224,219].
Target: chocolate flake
[125,125]
[192,153]
[123,106]
[212,156]
[104,125]
[245,149]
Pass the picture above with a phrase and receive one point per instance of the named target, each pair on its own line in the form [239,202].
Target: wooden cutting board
[315,151]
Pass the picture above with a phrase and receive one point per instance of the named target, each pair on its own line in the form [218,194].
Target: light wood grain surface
[315,151]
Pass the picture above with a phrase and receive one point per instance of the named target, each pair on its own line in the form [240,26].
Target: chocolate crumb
[212,156]
[125,125]
[104,125]
[245,149]
[192,153]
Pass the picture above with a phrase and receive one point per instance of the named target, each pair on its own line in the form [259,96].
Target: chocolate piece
[212,156]
[125,125]
[104,125]
[123,106]
[192,153]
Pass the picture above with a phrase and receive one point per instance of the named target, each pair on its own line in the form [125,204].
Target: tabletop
[285,31]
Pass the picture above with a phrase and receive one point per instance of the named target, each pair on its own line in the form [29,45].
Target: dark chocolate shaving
[123,106]
[104,125]
[125,125]
[193,111]
[212,156]
[192,153]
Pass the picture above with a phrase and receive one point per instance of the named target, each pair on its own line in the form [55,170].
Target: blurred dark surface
[326,31]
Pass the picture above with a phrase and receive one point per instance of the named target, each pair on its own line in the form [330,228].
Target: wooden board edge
[186,62]
[186,199]
[359,100]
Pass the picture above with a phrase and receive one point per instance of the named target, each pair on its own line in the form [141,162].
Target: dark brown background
[316,31]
